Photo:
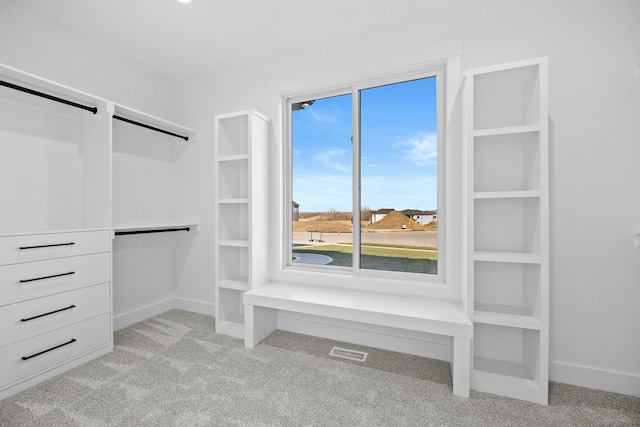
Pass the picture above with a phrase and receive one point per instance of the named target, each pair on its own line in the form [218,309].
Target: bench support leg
[259,323]
[461,366]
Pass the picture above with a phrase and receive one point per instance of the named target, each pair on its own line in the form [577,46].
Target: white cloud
[334,158]
[420,149]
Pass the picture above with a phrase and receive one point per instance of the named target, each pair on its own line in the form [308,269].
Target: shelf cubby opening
[233,179]
[507,289]
[514,92]
[231,306]
[233,264]
[509,162]
[507,351]
[232,221]
[233,136]
[507,225]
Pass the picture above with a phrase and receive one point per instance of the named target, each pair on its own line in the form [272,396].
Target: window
[365,176]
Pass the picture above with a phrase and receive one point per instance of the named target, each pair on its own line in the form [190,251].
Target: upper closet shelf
[154,124]
[57,96]
[156,228]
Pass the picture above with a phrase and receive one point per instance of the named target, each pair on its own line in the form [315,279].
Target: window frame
[354,87]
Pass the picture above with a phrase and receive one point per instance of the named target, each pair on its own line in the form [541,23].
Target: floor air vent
[345,353]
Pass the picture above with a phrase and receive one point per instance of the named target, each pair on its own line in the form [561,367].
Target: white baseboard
[601,379]
[392,339]
[194,306]
[139,314]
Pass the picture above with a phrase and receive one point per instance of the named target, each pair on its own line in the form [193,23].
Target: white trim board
[601,379]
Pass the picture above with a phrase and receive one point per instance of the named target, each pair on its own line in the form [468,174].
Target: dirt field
[340,222]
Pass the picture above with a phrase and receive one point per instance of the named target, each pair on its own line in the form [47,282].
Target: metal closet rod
[94,110]
[133,122]
[161,230]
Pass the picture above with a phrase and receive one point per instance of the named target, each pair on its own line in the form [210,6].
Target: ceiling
[179,41]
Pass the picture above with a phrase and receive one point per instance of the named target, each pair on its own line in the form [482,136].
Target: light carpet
[174,370]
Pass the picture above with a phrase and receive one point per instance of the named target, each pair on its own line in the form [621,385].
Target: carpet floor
[174,370]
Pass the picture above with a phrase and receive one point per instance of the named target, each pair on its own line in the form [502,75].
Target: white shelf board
[512,130]
[504,315]
[501,367]
[506,194]
[235,243]
[240,201]
[233,158]
[238,284]
[147,119]
[31,81]
[516,257]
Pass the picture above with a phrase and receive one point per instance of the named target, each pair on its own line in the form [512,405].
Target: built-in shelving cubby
[507,294]
[508,352]
[519,168]
[507,225]
[515,92]
[232,178]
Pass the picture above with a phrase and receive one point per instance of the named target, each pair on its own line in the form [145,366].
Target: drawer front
[48,350]
[20,282]
[37,316]
[37,247]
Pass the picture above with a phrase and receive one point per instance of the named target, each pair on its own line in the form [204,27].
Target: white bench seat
[409,313]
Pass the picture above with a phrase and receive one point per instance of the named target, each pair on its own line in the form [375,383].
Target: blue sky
[398,149]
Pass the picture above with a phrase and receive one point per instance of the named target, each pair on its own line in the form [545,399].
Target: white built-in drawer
[52,348]
[34,317]
[20,282]
[36,247]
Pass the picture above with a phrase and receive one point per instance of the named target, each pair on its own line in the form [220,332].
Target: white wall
[593,48]
[36,46]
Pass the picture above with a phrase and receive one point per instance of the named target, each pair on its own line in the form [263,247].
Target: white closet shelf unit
[508,227]
[76,164]
[55,252]
[241,245]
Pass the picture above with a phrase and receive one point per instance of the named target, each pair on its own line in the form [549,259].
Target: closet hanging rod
[94,110]
[133,122]
[160,230]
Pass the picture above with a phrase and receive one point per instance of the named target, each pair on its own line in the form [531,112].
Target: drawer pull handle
[46,314]
[46,351]
[47,246]
[48,277]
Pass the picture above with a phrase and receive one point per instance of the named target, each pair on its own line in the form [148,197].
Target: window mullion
[355,140]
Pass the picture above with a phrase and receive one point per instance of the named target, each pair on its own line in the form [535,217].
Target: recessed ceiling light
[184,1]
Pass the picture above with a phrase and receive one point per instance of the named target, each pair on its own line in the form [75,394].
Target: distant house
[295,214]
[379,214]
[421,217]
[418,216]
